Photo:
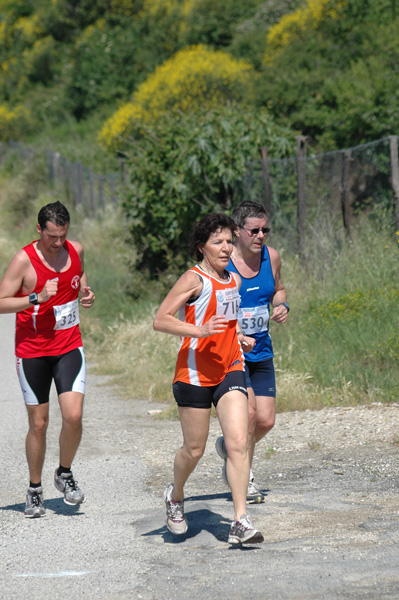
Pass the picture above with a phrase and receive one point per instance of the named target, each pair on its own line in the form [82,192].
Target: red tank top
[206,361]
[51,328]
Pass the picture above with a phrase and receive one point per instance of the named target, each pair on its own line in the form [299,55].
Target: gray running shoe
[221,450]
[176,522]
[243,532]
[254,495]
[66,484]
[34,503]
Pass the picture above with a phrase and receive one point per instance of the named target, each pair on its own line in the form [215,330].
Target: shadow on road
[199,521]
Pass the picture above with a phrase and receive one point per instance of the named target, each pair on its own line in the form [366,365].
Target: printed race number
[254,320]
[228,303]
[66,315]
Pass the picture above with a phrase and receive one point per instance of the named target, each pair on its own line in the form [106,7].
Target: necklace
[211,271]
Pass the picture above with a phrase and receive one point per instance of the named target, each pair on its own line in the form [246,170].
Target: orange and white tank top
[206,361]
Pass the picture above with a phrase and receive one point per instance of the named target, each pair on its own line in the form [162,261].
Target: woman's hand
[216,324]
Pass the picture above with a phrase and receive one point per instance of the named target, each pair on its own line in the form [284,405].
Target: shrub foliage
[186,166]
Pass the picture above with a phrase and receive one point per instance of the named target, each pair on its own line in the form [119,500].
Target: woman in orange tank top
[209,370]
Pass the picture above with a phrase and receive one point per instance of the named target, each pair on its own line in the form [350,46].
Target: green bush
[40,59]
[336,80]
[103,67]
[186,166]
[212,22]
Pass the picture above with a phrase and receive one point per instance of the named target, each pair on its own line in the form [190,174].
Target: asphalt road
[329,533]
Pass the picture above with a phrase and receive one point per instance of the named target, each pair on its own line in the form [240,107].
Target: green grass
[342,327]
[339,347]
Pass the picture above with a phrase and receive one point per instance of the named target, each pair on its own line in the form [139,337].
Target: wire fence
[307,194]
[302,195]
[80,185]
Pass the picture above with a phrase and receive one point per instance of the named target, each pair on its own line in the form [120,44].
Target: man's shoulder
[76,245]
[22,257]
[18,266]
[273,254]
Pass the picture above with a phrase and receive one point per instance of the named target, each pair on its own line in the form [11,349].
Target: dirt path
[331,518]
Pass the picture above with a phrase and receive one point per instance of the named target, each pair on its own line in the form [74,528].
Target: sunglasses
[256,230]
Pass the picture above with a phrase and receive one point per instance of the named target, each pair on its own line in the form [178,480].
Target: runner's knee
[194,453]
[38,425]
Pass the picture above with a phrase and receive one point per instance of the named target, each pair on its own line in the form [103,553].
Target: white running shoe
[254,495]
[243,532]
[66,484]
[222,451]
[176,522]
[34,503]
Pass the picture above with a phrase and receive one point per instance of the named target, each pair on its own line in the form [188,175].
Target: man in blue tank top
[259,267]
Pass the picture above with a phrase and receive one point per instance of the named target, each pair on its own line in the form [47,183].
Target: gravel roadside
[330,520]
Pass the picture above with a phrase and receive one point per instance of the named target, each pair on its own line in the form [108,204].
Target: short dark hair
[55,212]
[246,210]
[205,227]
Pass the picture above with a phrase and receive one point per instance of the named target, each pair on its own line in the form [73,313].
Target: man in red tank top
[42,285]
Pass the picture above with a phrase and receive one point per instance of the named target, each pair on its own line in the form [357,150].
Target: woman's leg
[195,428]
[232,412]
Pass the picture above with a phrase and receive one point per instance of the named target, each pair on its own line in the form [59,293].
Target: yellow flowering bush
[118,128]
[29,28]
[193,78]
[309,16]
[13,122]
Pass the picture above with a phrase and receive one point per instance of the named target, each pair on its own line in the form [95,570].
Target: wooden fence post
[92,199]
[345,192]
[301,190]
[393,141]
[267,188]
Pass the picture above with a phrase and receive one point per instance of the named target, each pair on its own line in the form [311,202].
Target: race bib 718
[228,303]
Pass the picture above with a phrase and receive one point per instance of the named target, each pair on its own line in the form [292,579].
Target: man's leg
[262,415]
[71,405]
[36,440]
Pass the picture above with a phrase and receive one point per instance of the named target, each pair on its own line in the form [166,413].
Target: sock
[61,470]
[251,475]
[35,485]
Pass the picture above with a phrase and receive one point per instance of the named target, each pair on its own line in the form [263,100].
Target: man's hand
[280,314]
[247,343]
[50,289]
[87,297]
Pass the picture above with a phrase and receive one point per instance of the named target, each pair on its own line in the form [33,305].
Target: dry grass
[139,358]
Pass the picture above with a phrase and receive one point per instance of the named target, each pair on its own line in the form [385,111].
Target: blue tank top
[256,293]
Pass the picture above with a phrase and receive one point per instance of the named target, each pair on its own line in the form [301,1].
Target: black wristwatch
[33,299]
[284,304]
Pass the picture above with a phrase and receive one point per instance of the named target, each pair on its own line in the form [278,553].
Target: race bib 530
[254,320]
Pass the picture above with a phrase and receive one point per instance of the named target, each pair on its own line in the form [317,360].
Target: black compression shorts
[261,377]
[36,375]
[197,396]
